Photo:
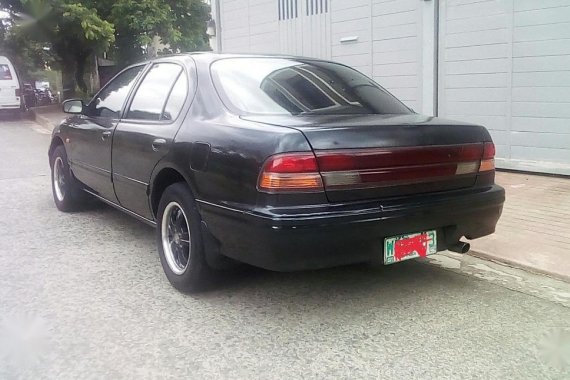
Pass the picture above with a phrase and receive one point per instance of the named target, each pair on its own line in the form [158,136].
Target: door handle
[105,135]
[157,143]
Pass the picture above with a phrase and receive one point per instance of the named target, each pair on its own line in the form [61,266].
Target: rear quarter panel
[237,151]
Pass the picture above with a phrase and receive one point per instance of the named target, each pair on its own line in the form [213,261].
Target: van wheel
[67,193]
[179,240]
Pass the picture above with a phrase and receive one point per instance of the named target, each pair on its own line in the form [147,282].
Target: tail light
[18,92]
[372,168]
[291,172]
[488,160]
[382,167]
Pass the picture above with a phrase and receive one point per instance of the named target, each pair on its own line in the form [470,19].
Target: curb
[519,265]
[41,120]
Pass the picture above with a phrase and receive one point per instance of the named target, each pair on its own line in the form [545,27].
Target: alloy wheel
[59,179]
[176,238]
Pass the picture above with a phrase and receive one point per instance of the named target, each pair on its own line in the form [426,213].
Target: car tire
[179,240]
[67,192]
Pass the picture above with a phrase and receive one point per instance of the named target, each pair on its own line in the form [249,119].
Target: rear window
[300,87]
[5,73]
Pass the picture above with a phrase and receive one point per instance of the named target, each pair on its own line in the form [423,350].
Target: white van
[10,87]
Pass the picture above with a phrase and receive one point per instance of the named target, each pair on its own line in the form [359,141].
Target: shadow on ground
[409,278]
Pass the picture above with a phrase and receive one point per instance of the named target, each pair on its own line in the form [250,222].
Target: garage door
[506,64]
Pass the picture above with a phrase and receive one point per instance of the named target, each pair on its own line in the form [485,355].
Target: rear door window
[151,96]
[176,99]
[5,73]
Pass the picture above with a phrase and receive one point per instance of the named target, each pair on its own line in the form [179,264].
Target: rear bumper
[331,235]
[10,107]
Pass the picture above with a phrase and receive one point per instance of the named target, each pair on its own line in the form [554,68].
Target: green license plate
[410,246]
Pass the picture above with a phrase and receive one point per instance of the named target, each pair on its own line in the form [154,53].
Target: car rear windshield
[5,73]
[300,87]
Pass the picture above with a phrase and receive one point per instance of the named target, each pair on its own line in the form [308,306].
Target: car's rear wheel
[179,240]
[67,193]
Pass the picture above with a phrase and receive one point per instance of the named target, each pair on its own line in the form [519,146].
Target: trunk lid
[373,156]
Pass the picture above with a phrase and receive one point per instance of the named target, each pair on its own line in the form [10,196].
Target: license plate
[410,246]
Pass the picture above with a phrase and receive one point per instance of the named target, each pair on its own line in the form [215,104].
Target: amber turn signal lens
[276,182]
[487,165]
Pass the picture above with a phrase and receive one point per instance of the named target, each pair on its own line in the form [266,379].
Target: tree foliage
[74,30]
[27,55]
[180,24]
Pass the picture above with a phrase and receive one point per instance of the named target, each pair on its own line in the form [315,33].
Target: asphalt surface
[84,296]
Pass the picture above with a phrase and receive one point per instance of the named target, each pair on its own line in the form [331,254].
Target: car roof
[208,57]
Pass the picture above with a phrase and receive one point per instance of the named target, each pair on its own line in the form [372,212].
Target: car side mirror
[73,106]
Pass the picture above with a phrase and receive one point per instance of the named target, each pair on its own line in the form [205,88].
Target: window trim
[170,93]
[134,93]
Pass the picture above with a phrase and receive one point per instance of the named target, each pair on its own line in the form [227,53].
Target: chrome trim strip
[222,207]
[130,179]
[86,166]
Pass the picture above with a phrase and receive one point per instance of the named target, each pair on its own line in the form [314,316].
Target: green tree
[70,30]
[180,24]
[27,55]
[75,30]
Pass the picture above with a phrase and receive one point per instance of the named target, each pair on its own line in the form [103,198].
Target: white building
[501,63]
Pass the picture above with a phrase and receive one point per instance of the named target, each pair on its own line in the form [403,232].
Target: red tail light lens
[489,151]
[18,92]
[381,167]
[291,172]
[292,163]
[366,159]
[371,168]
[488,161]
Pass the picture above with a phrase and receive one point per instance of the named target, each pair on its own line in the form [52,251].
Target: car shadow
[401,281]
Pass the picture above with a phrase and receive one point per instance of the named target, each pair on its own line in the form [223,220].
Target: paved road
[83,295]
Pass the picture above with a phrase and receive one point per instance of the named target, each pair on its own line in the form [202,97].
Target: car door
[91,134]
[145,135]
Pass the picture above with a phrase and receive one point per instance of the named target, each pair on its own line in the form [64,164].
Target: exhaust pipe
[460,247]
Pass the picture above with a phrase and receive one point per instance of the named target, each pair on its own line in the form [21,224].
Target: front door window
[109,102]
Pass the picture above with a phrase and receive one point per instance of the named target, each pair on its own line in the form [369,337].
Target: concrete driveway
[83,295]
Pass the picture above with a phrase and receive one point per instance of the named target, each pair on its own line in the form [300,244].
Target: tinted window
[5,73]
[151,96]
[291,86]
[176,98]
[109,102]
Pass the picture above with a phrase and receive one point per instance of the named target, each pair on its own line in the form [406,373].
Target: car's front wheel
[179,240]
[67,193]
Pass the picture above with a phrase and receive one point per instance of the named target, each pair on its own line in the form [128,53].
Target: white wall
[540,125]
[351,34]
[382,38]
[249,26]
[505,64]
[397,48]
[253,26]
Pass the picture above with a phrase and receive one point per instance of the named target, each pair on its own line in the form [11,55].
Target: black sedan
[284,163]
